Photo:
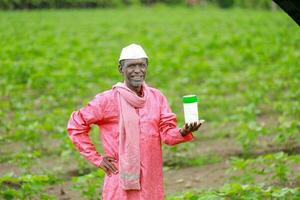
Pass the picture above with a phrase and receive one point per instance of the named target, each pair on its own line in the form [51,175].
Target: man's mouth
[137,78]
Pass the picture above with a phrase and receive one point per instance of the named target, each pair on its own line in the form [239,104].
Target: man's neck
[137,90]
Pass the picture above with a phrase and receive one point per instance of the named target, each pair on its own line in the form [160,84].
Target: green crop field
[244,66]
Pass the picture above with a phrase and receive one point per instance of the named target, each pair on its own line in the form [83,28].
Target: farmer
[134,120]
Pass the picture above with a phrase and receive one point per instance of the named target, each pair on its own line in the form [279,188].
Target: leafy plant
[241,192]
[247,79]
[26,186]
[272,168]
[89,184]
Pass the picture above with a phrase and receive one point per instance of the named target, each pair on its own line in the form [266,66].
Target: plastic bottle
[190,108]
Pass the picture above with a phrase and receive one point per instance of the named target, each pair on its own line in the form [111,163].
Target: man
[134,120]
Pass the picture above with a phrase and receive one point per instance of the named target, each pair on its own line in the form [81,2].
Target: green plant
[89,184]
[241,192]
[54,61]
[26,186]
[272,168]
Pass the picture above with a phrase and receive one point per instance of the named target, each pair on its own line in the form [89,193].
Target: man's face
[134,72]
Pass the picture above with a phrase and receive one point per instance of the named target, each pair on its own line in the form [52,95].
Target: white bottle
[190,108]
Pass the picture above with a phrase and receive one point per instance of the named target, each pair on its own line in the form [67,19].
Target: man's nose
[137,68]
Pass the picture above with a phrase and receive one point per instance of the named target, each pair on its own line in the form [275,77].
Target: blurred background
[241,58]
[44,4]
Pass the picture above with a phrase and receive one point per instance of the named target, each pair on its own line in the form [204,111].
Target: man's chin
[137,83]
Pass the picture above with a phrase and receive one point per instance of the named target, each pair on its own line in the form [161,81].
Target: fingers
[108,165]
[199,123]
[106,170]
[198,126]
[186,126]
[193,126]
[109,168]
[112,167]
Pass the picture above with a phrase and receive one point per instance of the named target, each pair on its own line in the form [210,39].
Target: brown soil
[64,191]
[9,168]
[222,147]
[227,147]
[176,180]
[179,180]
[204,177]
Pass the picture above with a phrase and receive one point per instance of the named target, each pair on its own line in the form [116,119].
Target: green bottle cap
[190,99]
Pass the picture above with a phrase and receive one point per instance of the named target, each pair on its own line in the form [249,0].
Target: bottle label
[190,112]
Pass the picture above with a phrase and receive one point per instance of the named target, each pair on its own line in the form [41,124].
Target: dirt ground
[194,178]
[175,180]
[179,180]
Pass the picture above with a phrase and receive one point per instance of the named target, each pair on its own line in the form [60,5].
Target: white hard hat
[133,51]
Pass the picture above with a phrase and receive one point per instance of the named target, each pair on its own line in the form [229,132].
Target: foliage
[26,186]
[236,191]
[253,4]
[25,159]
[180,156]
[225,3]
[41,4]
[54,61]
[271,167]
[32,4]
[89,184]
[241,192]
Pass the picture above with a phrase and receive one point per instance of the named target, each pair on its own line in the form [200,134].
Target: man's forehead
[135,61]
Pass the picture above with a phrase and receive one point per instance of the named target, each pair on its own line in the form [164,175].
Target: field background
[242,64]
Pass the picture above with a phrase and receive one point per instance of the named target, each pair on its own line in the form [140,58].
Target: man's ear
[120,69]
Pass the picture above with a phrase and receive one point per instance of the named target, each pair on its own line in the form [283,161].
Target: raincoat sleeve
[79,129]
[168,130]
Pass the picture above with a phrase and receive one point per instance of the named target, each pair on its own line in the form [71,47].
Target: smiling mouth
[137,78]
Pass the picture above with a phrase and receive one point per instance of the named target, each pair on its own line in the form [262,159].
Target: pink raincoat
[158,124]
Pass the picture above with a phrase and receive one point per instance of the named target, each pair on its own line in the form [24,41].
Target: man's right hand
[108,166]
